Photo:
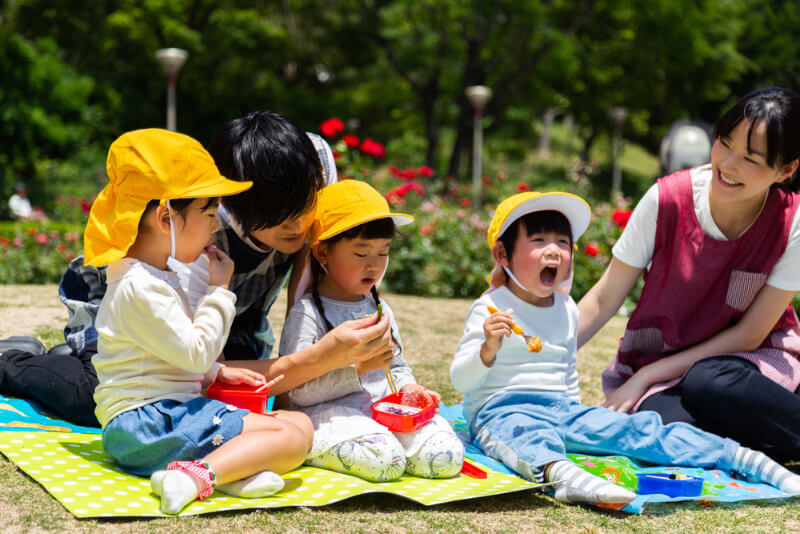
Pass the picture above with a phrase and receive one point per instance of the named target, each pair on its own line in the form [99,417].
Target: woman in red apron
[714,340]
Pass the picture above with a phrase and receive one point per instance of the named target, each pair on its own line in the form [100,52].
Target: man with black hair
[263,230]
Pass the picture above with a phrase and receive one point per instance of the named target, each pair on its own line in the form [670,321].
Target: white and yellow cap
[573,207]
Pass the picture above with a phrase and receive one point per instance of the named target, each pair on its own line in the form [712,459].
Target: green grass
[430,330]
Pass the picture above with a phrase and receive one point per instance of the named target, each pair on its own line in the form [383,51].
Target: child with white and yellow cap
[523,407]
[350,240]
[154,352]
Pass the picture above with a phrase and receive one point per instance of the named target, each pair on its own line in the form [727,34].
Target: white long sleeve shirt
[151,346]
[551,370]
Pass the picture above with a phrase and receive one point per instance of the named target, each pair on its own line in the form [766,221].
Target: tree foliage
[77,73]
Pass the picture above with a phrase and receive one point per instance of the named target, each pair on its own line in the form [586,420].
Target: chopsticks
[390,379]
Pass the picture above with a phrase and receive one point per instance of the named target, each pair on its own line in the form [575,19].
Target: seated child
[154,352]
[350,251]
[523,407]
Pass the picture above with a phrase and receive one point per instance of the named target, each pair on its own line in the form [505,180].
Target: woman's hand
[237,375]
[626,397]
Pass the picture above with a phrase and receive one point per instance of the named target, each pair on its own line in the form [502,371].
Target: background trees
[77,73]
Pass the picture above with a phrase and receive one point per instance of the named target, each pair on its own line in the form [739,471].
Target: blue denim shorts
[148,438]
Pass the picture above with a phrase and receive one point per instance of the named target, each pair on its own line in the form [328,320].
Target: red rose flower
[522,187]
[42,239]
[427,229]
[372,148]
[62,248]
[485,181]
[85,207]
[425,171]
[351,141]
[591,250]
[331,127]
[465,201]
[621,217]
[4,241]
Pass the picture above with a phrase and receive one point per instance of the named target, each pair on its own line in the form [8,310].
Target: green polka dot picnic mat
[74,469]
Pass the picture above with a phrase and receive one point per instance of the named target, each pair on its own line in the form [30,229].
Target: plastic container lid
[253,398]
[391,413]
[669,484]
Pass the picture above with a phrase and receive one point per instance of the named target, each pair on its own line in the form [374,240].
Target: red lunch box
[253,398]
[391,413]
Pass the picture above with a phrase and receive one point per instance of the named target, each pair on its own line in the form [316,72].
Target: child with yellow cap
[523,407]
[155,352]
[350,239]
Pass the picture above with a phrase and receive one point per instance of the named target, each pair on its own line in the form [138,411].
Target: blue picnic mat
[718,486]
[23,415]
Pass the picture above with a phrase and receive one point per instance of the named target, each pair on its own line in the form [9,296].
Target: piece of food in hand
[380,311]
[534,344]
[418,399]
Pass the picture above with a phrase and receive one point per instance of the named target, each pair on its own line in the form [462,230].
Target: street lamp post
[617,114]
[171,60]
[477,95]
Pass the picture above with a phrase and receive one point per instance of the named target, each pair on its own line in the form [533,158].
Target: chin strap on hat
[171,231]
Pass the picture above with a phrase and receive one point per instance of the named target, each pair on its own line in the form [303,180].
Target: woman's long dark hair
[779,110]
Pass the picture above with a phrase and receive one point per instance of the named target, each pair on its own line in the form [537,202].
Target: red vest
[697,286]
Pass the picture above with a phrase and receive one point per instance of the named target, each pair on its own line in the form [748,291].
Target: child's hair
[377,229]
[537,221]
[281,161]
[178,207]
[779,109]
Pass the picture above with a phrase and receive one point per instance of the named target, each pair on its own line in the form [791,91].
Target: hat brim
[573,207]
[400,219]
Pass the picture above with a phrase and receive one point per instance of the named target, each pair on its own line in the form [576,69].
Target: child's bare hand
[416,388]
[238,375]
[220,267]
[495,327]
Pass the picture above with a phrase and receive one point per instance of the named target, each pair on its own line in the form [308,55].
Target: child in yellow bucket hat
[351,238]
[155,354]
[523,407]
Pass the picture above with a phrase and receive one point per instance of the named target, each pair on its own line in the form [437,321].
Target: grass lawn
[430,330]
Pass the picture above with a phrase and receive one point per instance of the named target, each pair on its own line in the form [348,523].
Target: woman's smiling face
[740,169]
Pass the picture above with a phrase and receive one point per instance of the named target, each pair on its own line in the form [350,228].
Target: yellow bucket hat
[145,165]
[347,204]
[573,207]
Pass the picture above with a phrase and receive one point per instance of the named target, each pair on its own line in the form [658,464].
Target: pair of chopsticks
[390,379]
[386,370]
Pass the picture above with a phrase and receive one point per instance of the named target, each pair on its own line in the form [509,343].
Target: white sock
[176,489]
[576,485]
[259,485]
[759,467]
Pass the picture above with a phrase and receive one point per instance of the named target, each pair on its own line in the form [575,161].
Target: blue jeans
[527,430]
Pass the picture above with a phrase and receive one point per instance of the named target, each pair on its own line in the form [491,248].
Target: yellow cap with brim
[573,207]
[347,204]
[145,165]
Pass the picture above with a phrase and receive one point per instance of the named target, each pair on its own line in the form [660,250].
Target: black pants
[59,379]
[728,396]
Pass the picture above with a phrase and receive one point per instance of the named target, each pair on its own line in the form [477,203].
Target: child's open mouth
[548,276]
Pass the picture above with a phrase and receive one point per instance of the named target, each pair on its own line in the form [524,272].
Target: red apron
[697,286]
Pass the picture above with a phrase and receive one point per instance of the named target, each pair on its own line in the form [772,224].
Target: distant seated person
[19,207]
